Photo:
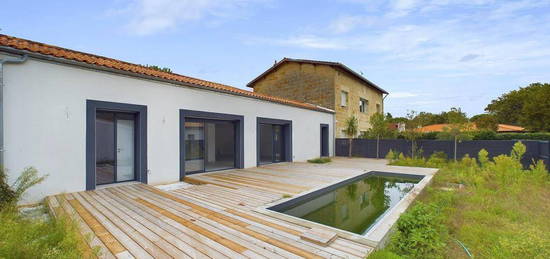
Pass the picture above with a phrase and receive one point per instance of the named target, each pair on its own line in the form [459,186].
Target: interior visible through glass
[266,143]
[115,147]
[209,145]
[356,206]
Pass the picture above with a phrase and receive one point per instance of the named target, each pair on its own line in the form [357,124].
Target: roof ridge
[98,60]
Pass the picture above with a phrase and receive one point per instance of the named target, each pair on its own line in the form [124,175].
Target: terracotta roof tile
[49,50]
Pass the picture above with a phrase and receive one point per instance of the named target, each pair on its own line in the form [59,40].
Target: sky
[429,55]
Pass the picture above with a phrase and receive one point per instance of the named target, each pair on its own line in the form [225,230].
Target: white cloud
[398,95]
[347,23]
[152,16]
[301,41]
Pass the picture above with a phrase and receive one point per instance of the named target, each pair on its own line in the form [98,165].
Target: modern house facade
[89,121]
[327,84]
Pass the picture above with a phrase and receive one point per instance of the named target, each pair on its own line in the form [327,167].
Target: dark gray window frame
[287,129]
[92,106]
[323,125]
[239,131]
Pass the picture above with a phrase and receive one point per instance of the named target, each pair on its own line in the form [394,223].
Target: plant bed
[499,211]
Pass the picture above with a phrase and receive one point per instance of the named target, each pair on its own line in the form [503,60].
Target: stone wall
[301,82]
[356,89]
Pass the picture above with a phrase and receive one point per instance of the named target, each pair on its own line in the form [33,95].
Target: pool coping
[379,232]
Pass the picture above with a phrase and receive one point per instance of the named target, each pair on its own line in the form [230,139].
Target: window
[363,104]
[344,99]
[378,108]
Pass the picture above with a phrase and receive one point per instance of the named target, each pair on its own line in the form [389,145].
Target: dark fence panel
[536,150]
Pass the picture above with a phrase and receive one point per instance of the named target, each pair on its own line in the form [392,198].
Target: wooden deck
[215,219]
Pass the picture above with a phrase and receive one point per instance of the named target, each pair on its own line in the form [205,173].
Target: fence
[536,150]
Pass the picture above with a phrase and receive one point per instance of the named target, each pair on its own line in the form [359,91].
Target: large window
[378,108]
[209,145]
[363,105]
[210,141]
[344,98]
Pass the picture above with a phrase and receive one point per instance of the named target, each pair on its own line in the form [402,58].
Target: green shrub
[419,233]
[484,135]
[11,194]
[22,237]
[7,195]
[524,136]
[384,254]
[320,160]
[499,210]
[28,238]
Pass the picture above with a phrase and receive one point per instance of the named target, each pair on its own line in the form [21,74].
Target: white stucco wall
[45,118]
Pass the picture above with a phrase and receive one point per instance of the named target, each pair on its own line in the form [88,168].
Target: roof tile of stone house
[317,62]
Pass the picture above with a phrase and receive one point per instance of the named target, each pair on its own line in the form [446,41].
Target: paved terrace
[215,218]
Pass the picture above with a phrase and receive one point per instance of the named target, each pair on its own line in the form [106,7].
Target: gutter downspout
[6,60]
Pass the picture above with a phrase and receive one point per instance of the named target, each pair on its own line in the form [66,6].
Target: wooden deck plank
[200,242]
[215,219]
[114,235]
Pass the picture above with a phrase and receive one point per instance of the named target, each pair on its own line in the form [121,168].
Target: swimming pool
[354,205]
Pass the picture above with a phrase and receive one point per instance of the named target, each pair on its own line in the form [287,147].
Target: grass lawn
[490,208]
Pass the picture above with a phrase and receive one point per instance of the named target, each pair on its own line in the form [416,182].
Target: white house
[87,120]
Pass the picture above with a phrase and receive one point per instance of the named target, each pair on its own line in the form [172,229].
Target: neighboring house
[88,120]
[327,84]
[502,128]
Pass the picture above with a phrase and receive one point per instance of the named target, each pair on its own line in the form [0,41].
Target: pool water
[353,206]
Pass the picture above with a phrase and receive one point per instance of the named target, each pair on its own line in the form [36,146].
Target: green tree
[455,116]
[379,129]
[411,132]
[428,118]
[485,122]
[162,69]
[456,132]
[528,107]
[351,131]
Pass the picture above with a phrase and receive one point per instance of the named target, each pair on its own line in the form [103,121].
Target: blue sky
[430,55]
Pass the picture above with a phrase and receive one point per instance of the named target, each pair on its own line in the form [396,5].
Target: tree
[411,132]
[456,132]
[379,129]
[528,107]
[162,69]
[454,116]
[351,131]
[428,118]
[485,122]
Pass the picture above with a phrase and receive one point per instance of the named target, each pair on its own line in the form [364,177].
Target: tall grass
[500,210]
[23,237]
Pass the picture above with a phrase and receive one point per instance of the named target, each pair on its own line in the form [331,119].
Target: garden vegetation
[26,237]
[476,207]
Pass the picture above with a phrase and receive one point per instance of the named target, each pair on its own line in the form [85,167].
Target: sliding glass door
[115,147]
[272,143]
[209,145]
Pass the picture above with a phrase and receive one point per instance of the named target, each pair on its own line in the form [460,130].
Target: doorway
[116,143]
[210,141]
[324,140]
[115,147]
[274,141]
[209,145]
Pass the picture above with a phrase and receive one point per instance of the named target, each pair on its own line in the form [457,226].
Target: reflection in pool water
[355,206]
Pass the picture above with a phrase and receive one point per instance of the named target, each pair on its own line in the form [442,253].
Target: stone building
[328,84]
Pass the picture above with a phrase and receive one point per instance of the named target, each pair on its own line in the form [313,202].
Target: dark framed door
[115,143]
[272,144]
[210,145]
[324,140]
